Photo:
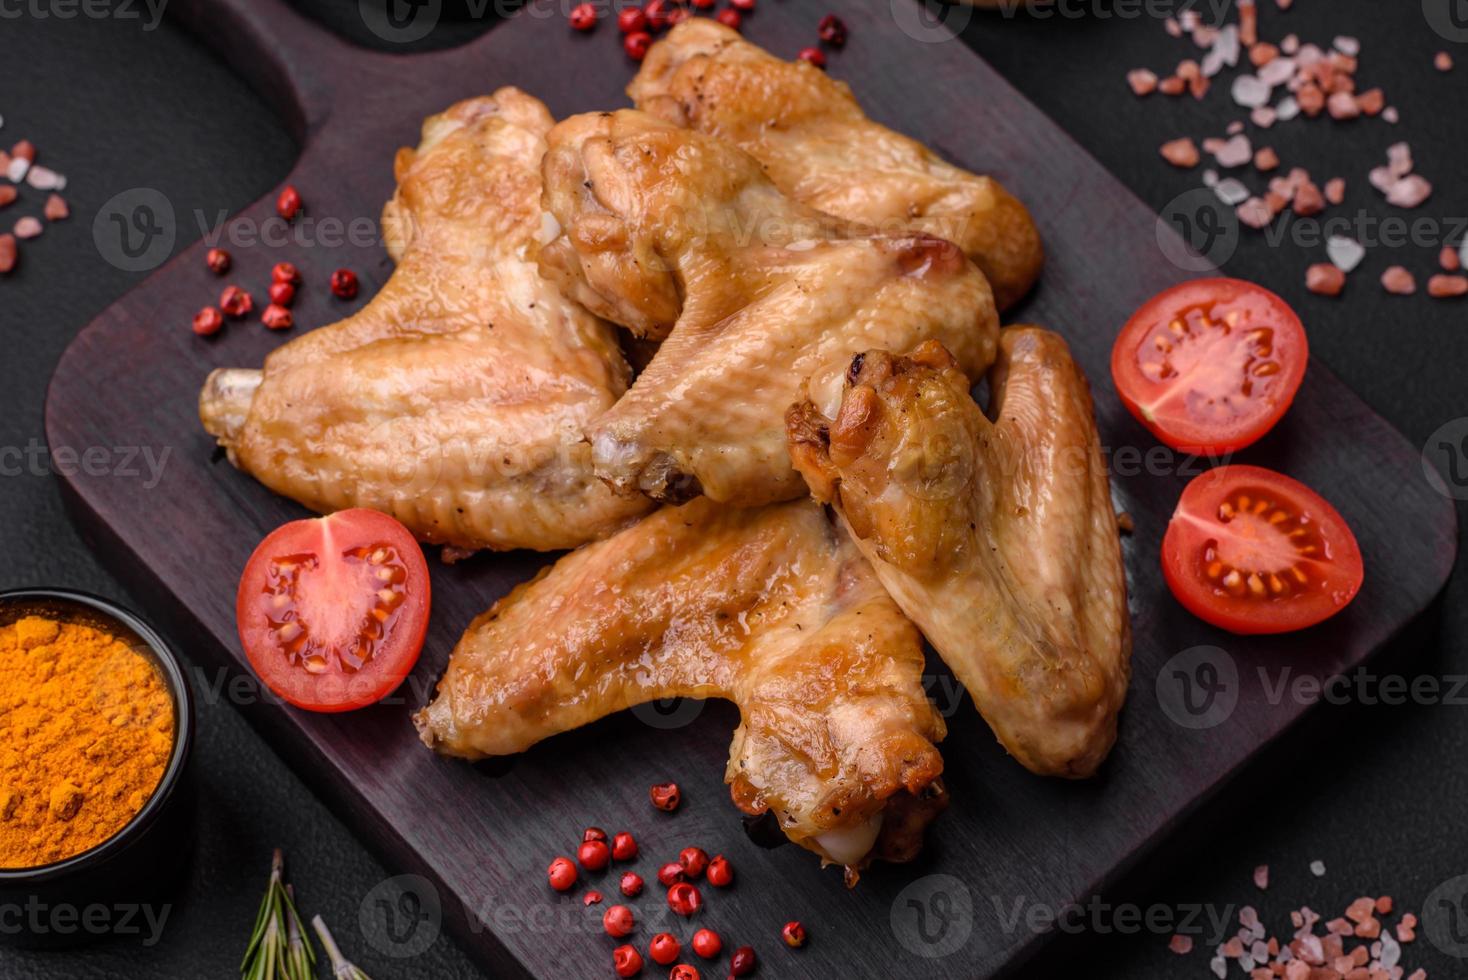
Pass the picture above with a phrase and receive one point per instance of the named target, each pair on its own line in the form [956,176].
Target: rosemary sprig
[341,968]
[278,947]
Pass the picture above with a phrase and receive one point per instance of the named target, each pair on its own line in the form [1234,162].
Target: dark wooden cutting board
[483,835]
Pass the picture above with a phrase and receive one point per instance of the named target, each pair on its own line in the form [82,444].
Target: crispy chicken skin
[455,399]
[773,608]
[997,538]
[818,146]
[675,234]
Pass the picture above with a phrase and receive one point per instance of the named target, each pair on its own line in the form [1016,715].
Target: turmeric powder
[86,731]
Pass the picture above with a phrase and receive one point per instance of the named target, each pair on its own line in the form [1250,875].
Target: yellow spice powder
[86,730]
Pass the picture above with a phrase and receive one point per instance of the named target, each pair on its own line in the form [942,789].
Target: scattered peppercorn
[594,855]
[683,972]
[684,899]
[593,833]
[664,948]
[694,861]
[617,921]
[627,961]
[624,846]
[591,898]
[742,963]
[670,874]
[631,884]
[706,943]
[562,874]
[636,44]
[285,272]
[235,302]
[657,14]
[217,259]
[793,934]
[277,317]
[665,796]
[282,293]
[815,56]
[631,20]
[288,204]
[583,17]
[721,872]
[832,31]
[344,284]
[729,18]
[208,321]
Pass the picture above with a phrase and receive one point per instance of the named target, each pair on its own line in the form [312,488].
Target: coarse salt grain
[1438,287]
[1344,253]
[1249,91]
[1335,190]
[44,179]
[1347,45]
[28,227]
[1398,281]
[1317,868]
[1265,159]
[1324,279]
[1180,944]
[1277,72]
[56,208]
[1448,259]
[1390,114]
[1261,877]
[1263,117]
[1399,159]
[1235,152]
[1231,191]
[1409,192]
[1180,152]
[1443,61]
[17,169]
[1142,81]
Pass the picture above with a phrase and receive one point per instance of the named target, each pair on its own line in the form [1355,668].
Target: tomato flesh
[1253,551]
[332,612]
[1210,366]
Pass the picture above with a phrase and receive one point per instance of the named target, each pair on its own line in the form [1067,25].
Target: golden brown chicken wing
[997,538]
[455,399]
[673,233]
[818,146]
[772,608]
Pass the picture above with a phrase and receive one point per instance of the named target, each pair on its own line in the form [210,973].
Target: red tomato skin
[1192,439]
[414,614]
[1198,598]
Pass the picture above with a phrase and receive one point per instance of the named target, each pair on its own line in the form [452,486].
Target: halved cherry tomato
[1253,551]
[1210,366]
[332,611]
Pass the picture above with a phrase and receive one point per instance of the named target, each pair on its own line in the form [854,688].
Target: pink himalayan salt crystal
[27,227]
[1261,877]
[1399,282]
[1409,192]
[1142,81]
[1180,944]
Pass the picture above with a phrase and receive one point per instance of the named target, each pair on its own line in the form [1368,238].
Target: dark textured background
[1378,793]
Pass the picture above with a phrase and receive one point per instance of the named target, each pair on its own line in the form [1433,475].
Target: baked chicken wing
[819,147]
[679,235]
[773,608]
[997,538]
[455,399]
